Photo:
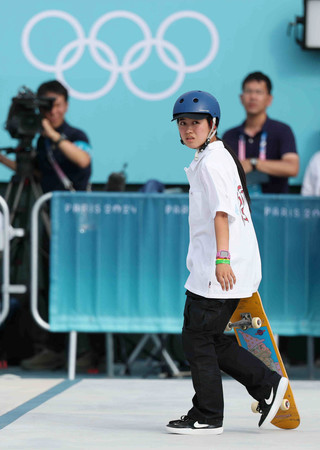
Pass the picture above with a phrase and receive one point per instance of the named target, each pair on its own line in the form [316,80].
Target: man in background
[265,147]
[62,159]
[62,162]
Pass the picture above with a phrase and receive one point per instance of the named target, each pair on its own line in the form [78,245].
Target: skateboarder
[224,264]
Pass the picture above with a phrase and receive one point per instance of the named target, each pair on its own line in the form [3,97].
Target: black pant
[208,350]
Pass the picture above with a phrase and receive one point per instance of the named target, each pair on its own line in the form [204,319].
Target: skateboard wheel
[285,405]
[256,322]
[254,406]
[228,327]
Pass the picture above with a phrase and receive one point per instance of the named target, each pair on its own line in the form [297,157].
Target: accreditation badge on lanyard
[262,147]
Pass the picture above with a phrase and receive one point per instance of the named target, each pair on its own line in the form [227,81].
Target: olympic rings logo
[112,64]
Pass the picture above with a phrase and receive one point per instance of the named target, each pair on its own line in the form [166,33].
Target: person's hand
[246,164]
[49,131]
[225,276]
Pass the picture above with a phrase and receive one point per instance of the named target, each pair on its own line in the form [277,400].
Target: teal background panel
[118,262]
[125,63]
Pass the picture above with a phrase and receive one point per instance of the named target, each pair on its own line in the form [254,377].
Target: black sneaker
[269,407]
[186,425]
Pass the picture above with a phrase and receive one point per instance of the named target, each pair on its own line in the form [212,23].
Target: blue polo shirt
[78,175]
[280,140]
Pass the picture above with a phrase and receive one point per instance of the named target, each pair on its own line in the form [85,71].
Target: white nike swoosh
[200,425]
[269,400]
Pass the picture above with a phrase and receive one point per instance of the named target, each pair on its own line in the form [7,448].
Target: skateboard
[253,332]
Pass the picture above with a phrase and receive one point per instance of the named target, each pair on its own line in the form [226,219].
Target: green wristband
[222,261]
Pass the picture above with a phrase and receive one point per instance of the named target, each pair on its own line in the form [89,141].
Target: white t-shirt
[311,179]
[215,186]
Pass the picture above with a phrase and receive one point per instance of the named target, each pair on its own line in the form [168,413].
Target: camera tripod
[24,178]
[21,193]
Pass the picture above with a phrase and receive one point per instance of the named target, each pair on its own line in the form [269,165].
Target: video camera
[24,117]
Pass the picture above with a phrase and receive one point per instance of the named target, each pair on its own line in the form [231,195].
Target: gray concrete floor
[48,412]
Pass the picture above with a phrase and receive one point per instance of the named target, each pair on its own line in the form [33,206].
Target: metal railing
[8,233]
[34,283]
[73,334]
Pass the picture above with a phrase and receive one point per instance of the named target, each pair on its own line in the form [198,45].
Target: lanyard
[262,147]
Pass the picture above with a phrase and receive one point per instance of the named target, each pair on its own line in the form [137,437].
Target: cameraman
[62,160]
[61,145]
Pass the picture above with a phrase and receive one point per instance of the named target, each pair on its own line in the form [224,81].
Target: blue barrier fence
[118,262]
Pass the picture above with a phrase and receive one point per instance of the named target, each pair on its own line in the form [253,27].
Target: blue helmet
[196,105]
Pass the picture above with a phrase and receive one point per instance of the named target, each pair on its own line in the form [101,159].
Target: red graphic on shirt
[241,199]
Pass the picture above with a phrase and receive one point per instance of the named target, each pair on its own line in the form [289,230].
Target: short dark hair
[258,76]
[52,86]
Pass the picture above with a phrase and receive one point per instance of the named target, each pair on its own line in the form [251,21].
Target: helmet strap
[212,132]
